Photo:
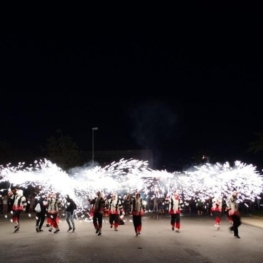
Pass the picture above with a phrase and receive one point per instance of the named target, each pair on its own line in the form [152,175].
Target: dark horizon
[174,83]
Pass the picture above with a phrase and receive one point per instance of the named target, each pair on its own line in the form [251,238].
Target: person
[200,207]
[31,201]
[19,205]
[191,206]
[40,214]
[98,206]
[115,209]
[53,210]
[70,207]
[234,213]
[216,210]
[174,211]
[127,203]
[155,204]
[137,210]
[5,204]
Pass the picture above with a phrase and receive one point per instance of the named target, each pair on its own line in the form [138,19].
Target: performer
[40,214]
[19,205]
[216,210]
[53,210]
[97,211]
[234,213]
[115,209]
[174,211]
[137,210]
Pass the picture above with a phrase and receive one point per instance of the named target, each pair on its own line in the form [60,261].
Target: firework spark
[131,176]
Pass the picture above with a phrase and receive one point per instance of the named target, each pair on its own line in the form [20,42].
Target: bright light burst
[130,176]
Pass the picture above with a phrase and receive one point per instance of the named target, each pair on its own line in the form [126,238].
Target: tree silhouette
[257,145]
[61,149]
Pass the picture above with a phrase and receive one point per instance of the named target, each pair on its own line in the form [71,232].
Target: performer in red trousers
[174,211]
[115,208]
[137,210]
[19,205]
[216,210]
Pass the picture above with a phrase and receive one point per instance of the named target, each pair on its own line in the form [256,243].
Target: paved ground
[197,241]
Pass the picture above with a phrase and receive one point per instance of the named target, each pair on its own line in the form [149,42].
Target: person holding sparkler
[19,205]
[98,206]
[175,211]
[53,210]
[115,208]
[233,213]
[41,212]
[216,210]
[137,210]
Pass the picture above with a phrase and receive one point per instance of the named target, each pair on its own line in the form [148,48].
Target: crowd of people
[47,208]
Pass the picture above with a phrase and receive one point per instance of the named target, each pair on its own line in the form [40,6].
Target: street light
[93,129]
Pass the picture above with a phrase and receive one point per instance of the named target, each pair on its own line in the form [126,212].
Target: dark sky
[173,79]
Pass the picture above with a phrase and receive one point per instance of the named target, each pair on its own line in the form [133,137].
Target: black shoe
[69,228]
[47,225]
[97,231]
[172,228]
[111,226]
[99,234]
[137,234]
[116,229]
[231,229]
[237,236]
[50,230]
[40,230]
[57,230]
[37,229]
[16,229]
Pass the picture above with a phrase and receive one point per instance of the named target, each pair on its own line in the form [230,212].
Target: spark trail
[130,176]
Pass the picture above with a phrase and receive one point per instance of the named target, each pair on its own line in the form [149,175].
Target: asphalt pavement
[198,241]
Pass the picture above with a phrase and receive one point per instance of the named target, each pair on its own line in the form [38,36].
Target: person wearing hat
[174,211]
[234,213]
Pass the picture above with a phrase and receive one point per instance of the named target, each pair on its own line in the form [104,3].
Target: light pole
[93,129]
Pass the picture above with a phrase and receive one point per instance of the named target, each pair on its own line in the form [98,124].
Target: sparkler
[131,176]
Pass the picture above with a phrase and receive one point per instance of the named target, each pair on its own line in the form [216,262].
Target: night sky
[178,81]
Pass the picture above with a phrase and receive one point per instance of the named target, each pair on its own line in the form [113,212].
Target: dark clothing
[97,220]
[70,205]
[114,220]
[236,223]
[40,216]
[137,223]
[98,210]
[175,220]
